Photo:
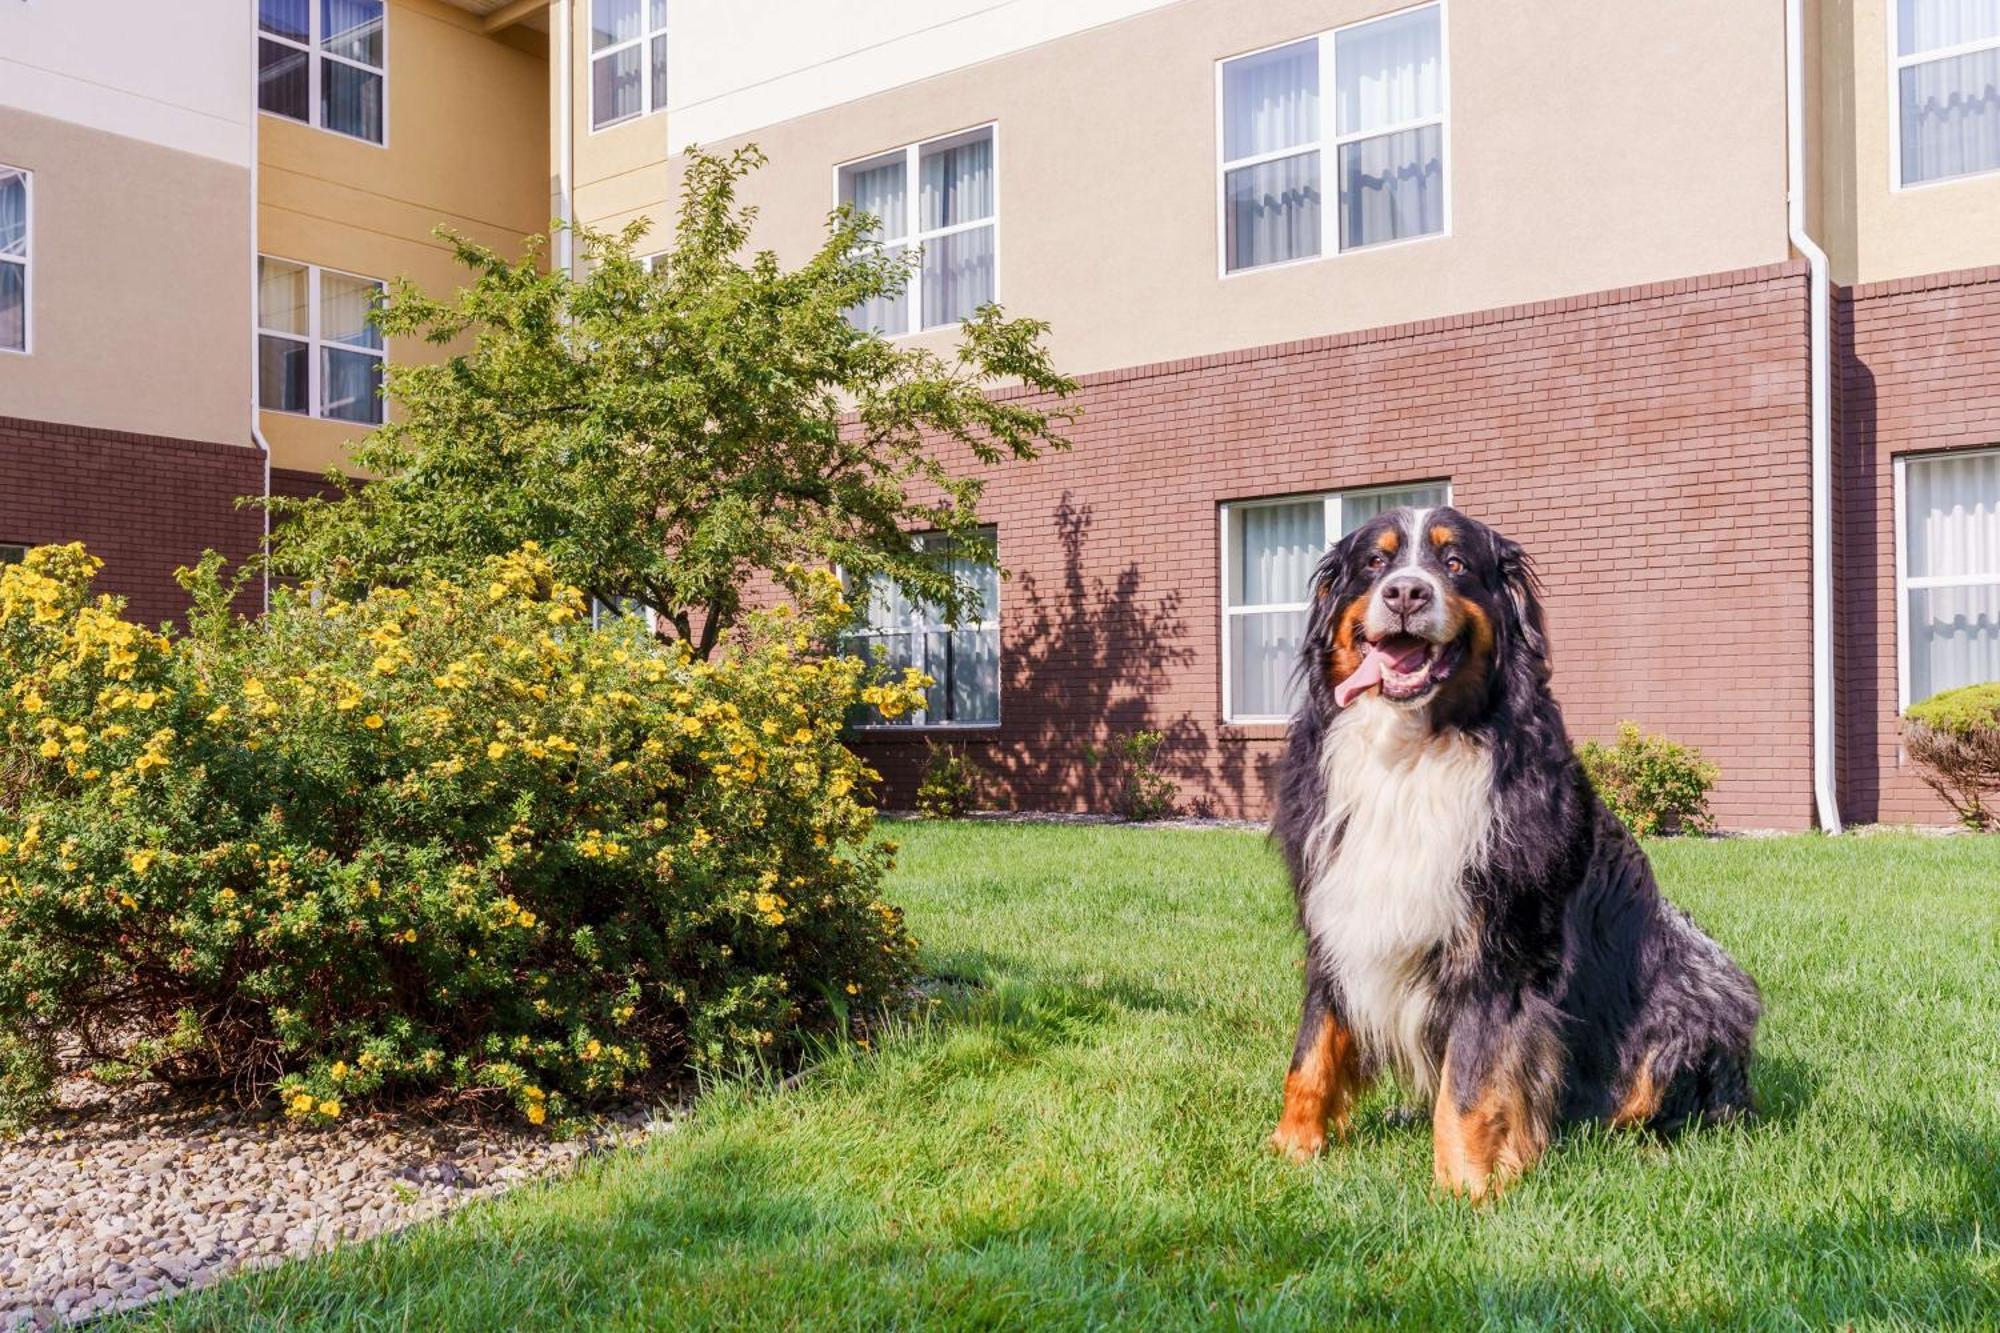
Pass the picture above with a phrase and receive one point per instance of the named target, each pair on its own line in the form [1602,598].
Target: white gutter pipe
[256,295]
[1825,794]
[566,171]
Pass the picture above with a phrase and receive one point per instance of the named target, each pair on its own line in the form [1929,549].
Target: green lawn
[1075,1139]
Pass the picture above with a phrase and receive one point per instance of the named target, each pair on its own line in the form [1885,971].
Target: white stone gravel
[116,1203]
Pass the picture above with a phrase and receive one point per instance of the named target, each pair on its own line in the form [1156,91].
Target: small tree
[670,434]
[1954,740]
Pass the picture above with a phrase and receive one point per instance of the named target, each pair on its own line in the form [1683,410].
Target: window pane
[975,675]
[12,554]
[1270,101]
[286,18]
[1271,212]
[617,88]
[958,275]
[281,296]
[955,184]
[1388,72]
[348,385]
[353,29]
[657,19]
[14,306]
[283,86]
[13,212]
[1928,25]
[344,306]
[1951,515]
[659,73]
[1392,187]
[985,579]
[1954,638]
[282,369]
[876,188]
[1951,117]
[1274,549]
[1263,657]
[612,22]
[1356,510]
[350,100]
[883,314]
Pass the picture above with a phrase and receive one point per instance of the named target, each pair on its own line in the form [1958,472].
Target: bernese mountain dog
[1476,921]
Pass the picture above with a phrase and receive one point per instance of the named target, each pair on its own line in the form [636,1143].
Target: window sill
[1270,730]
[892,729]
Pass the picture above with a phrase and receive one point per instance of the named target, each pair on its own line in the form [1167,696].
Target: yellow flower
[409,937]
[592,1051]
[221,714]
[385,665]
[537,1114]
[227,895]
[496,751]
[526,921]
[373,722]
[329,1109]
[51,748]
[339,1070]
[31,702]
[853,989]
[143,861]
[302,1104]
[146,700]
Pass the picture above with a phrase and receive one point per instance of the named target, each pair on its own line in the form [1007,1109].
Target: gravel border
[117,1203]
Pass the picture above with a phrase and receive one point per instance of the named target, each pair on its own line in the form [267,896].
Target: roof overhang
[497,14]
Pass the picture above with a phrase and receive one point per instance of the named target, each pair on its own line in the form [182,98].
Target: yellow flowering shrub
[440,837]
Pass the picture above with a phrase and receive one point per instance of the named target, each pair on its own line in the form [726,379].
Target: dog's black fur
[1577,992]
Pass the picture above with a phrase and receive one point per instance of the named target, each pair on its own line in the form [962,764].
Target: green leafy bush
[951,783]
[1653,784]
[448,837]
[1954,740]
[1139,790]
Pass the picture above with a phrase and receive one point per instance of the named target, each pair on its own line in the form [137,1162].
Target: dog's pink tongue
[1365,678]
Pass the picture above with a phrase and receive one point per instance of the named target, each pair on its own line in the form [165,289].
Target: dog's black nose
[1406,594]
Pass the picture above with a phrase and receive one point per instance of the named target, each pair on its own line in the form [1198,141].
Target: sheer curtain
[879,190]
[13,259]
[350,380]
[350,96]
[963,660]
[1390,73]
[1358,508]
[1271,209]
[955,187]
[1951,534]
[1951,116]
[1275,550]
[1931,25]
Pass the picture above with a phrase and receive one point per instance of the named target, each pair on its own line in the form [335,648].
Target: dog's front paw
[1300,1143]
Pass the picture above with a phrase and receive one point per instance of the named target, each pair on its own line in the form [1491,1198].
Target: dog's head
[1430,609]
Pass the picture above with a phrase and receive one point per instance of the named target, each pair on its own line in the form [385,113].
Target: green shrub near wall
[1954,740]
[1653,784]
[448,837]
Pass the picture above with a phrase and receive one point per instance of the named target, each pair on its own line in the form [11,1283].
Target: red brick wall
[1918,370]
[143,504]
[1649,445]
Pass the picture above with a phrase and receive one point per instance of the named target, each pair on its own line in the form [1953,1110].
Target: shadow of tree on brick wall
[1087,659]
[1860,600]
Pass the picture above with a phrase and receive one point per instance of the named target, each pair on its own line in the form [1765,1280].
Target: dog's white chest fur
[1408,812]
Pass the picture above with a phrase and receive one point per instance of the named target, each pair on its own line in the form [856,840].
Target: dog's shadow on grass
[1783,1088]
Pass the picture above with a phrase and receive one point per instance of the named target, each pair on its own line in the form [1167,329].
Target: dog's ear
[1523,587]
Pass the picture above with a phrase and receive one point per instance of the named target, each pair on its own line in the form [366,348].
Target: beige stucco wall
[1875,231]
[1592,144]
[138,287]
[466,148]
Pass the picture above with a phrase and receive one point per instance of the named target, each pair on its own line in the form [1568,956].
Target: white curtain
[1929,25]
[281,296]
[1263,663]
[1356,510]
[1951,533]
[1270,101]
[13,212]
[345,304]
[1271,210]
[954,187]
[1392,187]
[1388,72]
[1951,116]
[963,661]
[612,22]
[880,191]
[1276,549]
[955,184]
[352,29]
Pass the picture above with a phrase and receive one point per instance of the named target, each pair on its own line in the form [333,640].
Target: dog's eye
[1454,564]
[1378,562]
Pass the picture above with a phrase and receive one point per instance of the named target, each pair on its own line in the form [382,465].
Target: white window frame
[26,262]
[991,624]
[1906,582]
[1332,501]
[1328,147]
[314,55]
[644,41]
[315,344]
[1897,64]
[914,238]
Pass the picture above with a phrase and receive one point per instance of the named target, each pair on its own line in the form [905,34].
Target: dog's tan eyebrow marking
[1441,535]
[1388,540]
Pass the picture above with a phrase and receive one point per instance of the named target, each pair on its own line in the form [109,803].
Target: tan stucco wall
[467,137]
[1878,232]
[1591,145]
[139,283]
[621,172]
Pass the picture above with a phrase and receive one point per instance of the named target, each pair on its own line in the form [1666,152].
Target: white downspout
[256,296]
[565,171]
[1825,794]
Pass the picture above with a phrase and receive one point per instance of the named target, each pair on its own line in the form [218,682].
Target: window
[963,661]
[323,62]
[318,353]
[1383,141]
[1948,572]
[13,259]
[628,60]
[12,553]
[1269,551]
[1947,68]
[952,214]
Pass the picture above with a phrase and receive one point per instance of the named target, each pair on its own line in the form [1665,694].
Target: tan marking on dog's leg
[1322,1088]
[1642,1099]
[1480,1150]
